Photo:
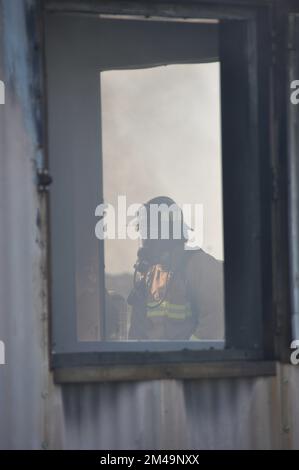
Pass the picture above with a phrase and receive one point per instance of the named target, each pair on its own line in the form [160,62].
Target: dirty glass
[161,136]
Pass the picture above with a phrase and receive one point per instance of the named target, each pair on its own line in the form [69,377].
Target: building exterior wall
[24,378]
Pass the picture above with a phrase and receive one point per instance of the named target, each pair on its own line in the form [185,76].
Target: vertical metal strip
[293,173]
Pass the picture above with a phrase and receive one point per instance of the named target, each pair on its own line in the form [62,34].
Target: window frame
[183,362]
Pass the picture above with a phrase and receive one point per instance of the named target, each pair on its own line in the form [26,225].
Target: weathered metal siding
[197,414]
[20,410]
[23,381]
[201,414]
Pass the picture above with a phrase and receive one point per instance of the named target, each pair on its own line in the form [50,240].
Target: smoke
[162,136]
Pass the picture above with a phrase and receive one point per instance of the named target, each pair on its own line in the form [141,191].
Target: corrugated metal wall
[199,414]
[24,379]
[20,379]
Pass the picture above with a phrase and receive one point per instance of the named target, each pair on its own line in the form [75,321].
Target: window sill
[138,372]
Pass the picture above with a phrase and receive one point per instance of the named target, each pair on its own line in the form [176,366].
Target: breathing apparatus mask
[162,232]
[161,228]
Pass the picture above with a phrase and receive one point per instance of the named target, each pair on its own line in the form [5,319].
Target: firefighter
[177,293]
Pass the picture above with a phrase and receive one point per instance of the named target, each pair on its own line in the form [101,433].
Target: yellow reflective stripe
[169,306]
[176,316]
[167,309]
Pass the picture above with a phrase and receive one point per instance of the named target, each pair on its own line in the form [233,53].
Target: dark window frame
[256,57]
